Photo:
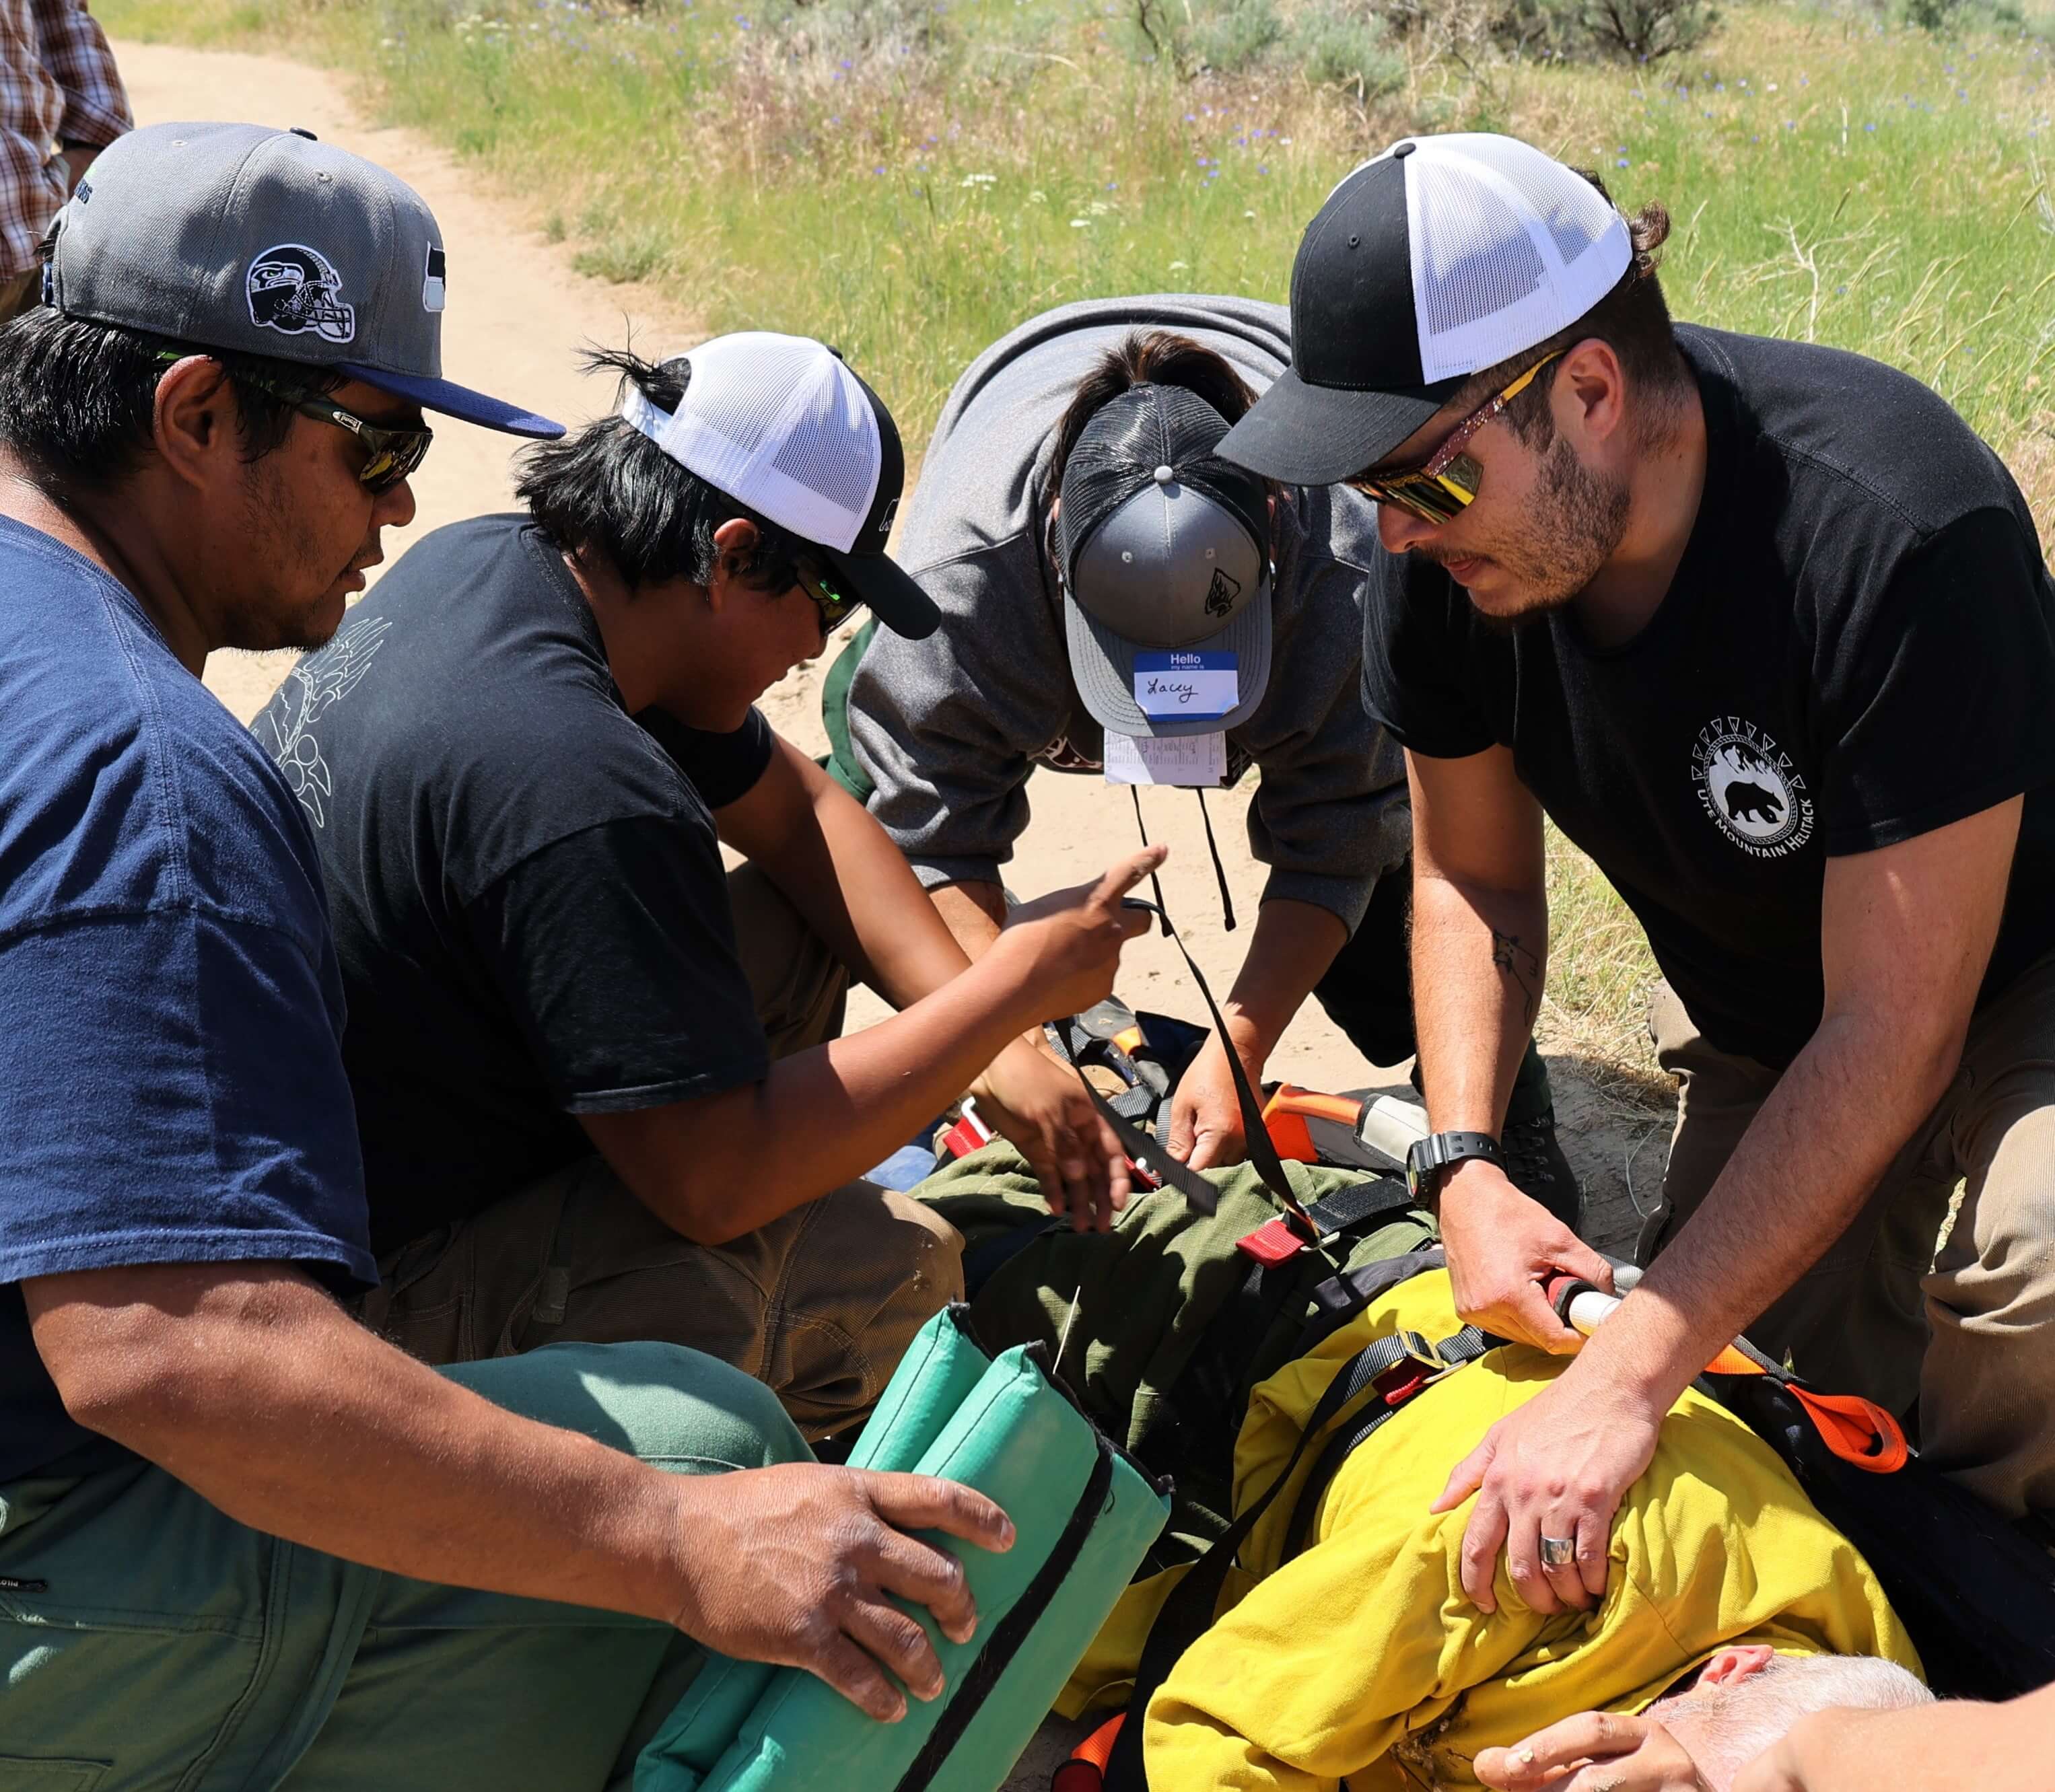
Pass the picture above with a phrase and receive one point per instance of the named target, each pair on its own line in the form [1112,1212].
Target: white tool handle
[1390,1127]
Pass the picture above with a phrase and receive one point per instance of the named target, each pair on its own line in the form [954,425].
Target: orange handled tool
[1858,1430]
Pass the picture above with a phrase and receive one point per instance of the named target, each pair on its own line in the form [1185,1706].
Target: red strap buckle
[1273,1242]
[970,1134]
[1401,1382]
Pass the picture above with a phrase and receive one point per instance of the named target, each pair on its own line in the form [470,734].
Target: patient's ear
[1733,1665]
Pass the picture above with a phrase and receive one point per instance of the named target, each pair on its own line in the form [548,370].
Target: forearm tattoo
[1515,961]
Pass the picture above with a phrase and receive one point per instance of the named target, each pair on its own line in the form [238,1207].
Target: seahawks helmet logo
[294,289]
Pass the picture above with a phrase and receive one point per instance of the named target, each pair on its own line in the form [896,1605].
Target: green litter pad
[1083,1516]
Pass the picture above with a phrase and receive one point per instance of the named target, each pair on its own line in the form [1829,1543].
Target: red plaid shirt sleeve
[75,52]
[57,82]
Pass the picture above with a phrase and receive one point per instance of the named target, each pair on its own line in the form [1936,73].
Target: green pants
[148,1641]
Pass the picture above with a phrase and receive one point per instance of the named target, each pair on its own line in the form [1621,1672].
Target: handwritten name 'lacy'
[1166,688]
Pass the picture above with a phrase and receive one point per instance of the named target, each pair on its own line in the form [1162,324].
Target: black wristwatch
[1426,1158]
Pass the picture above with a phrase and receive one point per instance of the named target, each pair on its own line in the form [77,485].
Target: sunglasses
[1446,484]
[818,584]
[393,454]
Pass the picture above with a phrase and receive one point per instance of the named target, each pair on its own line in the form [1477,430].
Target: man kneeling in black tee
[1765,629]
[589,1066]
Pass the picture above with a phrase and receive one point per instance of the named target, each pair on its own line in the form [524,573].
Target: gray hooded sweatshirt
[949,728]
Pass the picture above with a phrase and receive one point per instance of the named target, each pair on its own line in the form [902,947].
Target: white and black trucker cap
[1161,547]
[266,242]
[1444,255]
[781,424]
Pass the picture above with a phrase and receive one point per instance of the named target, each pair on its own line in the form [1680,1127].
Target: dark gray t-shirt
[529,900]
[949,729]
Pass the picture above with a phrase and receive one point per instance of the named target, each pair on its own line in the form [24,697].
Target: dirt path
[519,312]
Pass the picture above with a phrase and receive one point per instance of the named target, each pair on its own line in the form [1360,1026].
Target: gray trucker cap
[267,242]
[1162,547]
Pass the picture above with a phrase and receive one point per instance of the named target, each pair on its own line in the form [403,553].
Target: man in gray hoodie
[1116,598]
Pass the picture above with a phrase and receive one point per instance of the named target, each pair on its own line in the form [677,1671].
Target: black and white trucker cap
[780,423]
[1444,255]
[244,237]
[1164,561]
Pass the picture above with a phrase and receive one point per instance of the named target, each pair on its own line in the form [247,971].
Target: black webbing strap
[1462,1347]
[1261,1152]
[1220,870]
[1205,1394]
[1352,1207]
[1003,1641]
[1188,1613]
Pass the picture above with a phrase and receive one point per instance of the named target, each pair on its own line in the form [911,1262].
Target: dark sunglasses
[394,454]
[1447,483]
[819,584]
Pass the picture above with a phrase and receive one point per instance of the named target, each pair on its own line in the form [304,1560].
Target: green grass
[909,184]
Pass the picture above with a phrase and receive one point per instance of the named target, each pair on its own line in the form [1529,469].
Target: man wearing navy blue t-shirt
[1765,629]
[241,1537]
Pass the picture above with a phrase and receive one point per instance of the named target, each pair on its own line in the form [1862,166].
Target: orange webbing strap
[1085,1771]
[1858,1430]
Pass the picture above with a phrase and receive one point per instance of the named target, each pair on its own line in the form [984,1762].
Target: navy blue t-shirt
[171,1088]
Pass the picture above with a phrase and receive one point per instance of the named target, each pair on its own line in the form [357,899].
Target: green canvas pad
[1000,1427]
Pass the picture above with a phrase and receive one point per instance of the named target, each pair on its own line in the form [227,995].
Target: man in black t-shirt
[1765,630]
[593,1087]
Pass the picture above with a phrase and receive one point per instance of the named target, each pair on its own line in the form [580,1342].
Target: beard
[293,605]
[1575,522]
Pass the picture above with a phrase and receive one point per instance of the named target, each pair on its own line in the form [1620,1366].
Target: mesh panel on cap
[778,422]
[817,452]
[1508,247]
[1474,255]
[742,388]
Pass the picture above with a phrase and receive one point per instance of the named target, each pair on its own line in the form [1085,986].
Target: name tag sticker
[1186,687]
[1188,759]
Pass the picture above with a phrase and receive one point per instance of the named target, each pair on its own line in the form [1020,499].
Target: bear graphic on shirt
[1751,788]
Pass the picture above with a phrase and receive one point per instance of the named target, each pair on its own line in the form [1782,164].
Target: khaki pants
[15,294]
[819,1305]
[1970,1329]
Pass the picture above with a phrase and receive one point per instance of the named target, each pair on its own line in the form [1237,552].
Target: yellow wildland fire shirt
[1362,1661]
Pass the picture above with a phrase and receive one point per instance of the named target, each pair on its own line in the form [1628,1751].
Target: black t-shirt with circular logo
[1858,647]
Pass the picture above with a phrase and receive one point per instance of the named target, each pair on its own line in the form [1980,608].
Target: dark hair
[1633,319]
[1149,358]
[610,490]
[78,399]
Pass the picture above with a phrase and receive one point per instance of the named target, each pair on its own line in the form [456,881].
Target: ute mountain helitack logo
[1751,788]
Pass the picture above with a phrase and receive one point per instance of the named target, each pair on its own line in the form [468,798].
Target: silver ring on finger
[1558,1552]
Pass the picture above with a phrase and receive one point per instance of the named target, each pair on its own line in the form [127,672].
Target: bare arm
[1292,946]
[725,1164]
[842,871]
[1479,958]
[1480,932]
[1931,1748]
[251,1386]
[1907,931]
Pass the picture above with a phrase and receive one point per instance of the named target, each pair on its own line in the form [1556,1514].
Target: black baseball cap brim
[452,400]
[894,599]
[1306,435]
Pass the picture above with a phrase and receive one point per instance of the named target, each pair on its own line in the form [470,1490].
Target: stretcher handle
[1860,1431]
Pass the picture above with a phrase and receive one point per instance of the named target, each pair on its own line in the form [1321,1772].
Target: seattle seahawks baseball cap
[1161,547]
[783,425]
[1443,256]
[267,242]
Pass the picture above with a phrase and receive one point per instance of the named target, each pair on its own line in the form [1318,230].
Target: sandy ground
[518,313]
